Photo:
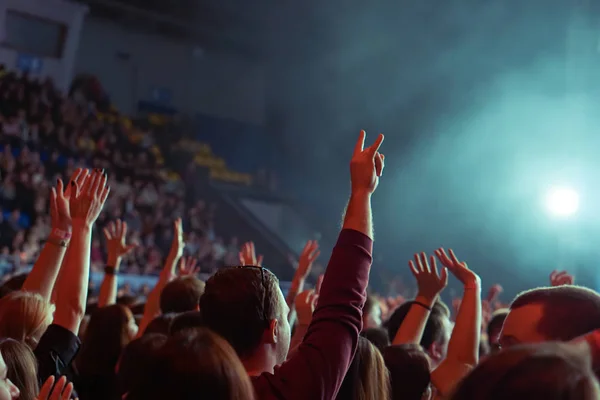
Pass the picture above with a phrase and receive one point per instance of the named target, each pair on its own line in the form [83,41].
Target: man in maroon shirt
[246,306]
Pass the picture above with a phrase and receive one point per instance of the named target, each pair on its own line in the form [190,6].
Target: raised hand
[59,201]
[116,234]
[307,258]
[459,269]
[87,199]
[60,391]
[248,255]
[187,266]
[561,278]
[493,293]
[429,281]
[305,306]
[366,165]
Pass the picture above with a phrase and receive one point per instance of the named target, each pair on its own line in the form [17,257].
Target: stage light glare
[562,201]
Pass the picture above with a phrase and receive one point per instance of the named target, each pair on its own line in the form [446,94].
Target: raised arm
[307,258]
[463,348]
[430,284]
[317,369]
[168,273]
[85,205]
[115,234]
[43,275]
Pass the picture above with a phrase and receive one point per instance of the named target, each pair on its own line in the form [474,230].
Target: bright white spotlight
[562,201]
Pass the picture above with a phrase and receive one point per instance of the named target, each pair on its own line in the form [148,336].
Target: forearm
[464,342]
[72,286]
[152,308]
[108,288]
[43,275]
[330,342]
[358,214]
[412,328]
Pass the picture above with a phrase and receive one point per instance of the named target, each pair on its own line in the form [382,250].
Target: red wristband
[59,233]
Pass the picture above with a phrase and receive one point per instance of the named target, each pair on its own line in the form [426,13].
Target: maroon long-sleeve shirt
[317,368]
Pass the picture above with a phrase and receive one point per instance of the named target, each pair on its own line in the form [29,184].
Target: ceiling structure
[220,25]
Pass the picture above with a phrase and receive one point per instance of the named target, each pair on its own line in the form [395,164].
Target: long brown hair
[196,363]
[548,371]
[367,378]
[106,336]
[21,367]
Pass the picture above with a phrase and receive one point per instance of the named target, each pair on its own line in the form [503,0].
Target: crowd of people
[46,135]
[79,194]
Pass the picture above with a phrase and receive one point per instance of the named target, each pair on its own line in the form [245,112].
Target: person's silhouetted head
[557,313]
[246,306]
[546,371]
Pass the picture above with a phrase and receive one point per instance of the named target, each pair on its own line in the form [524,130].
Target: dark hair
[409,371]
[21,367]
[138,361]
[434,328]
[545,371]
[377,336]
[569,311]
[495,325]
[161,324]
[181,295]
[187,320]
[367,378]
[239,303]
[196,363]
[13,284]
[106,336]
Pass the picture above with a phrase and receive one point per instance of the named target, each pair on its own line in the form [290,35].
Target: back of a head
[138,361]
[161,324]
[435,328]
[187,320]
[409,370]
[548,371]
[106,336]
[181,295]
[367,378]
[24,316]
[239,303]
[569,311]
[377,336]
[195,364]
[21,367]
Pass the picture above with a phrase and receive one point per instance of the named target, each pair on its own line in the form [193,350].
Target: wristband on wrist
[58,242]
[425,306]
[59,233]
